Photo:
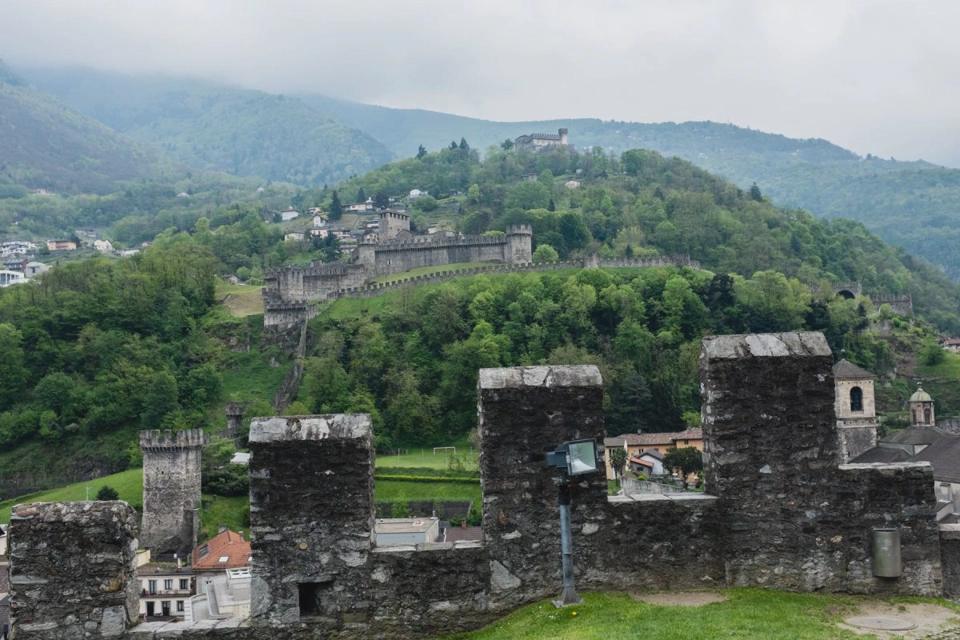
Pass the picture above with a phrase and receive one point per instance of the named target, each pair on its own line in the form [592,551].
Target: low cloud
[876,76]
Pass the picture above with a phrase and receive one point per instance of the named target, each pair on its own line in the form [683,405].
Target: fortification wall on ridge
[778,511]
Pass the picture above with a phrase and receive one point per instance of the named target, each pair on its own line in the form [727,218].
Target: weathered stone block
[312,508]
[83,548]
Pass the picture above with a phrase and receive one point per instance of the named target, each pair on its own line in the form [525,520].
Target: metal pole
[569,594]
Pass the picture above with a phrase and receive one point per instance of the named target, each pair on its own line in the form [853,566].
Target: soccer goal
[435,449]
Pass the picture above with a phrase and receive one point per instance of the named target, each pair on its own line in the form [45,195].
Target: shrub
[107,492]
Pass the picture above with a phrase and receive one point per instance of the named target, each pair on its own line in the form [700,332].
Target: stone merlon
[547,376]
[765,345]
[355,426]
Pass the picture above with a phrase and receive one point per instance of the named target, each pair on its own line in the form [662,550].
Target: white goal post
[435,449]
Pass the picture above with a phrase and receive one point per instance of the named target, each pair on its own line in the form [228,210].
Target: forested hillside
[643,203]
[45,144]
[915,205]
[102,348]
[209,126]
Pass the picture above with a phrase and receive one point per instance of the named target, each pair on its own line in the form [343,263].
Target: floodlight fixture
[573,458]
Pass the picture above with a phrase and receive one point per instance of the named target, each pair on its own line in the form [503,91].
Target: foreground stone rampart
[73,570]
[778,512]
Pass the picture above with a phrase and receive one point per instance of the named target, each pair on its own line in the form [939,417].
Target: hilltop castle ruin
[288,290]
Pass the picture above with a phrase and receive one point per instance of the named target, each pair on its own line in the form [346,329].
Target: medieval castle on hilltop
[289,290]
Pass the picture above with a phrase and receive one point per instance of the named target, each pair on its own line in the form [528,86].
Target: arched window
[856,399]
[926,415]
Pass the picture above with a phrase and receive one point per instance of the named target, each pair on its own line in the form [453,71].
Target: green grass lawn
[244,300]
[949,368]
[426,271]
[425,459]
[398,491]
[129,484]
[748,614]
[230,511]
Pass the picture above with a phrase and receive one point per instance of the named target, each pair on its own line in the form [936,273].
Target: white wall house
[394,531]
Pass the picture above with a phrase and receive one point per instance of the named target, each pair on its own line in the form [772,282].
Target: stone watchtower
[855,408]
[171,490]
[392,222]
[921,409]
[519,244]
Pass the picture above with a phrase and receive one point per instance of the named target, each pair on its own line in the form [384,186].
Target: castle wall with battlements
[778,512]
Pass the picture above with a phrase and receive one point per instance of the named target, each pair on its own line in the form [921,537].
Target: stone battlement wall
[156,439]
[899,304]
[778,511]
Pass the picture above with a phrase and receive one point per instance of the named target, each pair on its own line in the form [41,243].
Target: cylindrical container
[886,553]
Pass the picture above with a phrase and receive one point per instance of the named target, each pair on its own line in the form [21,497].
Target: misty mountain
[44,144]
[915,205]
[210,126]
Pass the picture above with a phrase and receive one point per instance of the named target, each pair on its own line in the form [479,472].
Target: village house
[10,278]
[289,214]
[394,531]
[222,567]
[295,236]
[319,233]
[103,246]
[61,245]
[417,193]
[951,344]
[165,588]
[34,269]
[636,444]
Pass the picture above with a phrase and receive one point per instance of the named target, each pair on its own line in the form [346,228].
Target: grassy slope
[241,299]
[426,271]
[751,614]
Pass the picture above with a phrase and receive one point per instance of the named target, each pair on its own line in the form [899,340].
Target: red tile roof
[226,550]
[666,439]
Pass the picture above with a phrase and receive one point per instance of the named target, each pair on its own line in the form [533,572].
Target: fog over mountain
[873,76]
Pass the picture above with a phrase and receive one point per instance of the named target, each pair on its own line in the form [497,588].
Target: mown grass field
[241,299]
[748,614]
[129,484]
[426,271]
[426,459]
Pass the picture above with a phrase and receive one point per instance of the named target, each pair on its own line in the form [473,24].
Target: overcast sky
[875,76]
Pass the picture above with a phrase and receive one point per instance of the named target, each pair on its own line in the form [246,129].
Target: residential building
[417,193]
[922,441]
[319,233]
[394,531]
[319,220]
[289,214]
[225,595]
[10,278]
[295,236]
[951,344]
[34,269]
[165,588]
[222,567]
[541,141]
[637,444]
[61,245]
[103,246]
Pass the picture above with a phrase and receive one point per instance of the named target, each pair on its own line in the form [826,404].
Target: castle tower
[856,410]
[234,411]
[171,490]
[367,251]
[392,222]
[563,136]
[519,244]
[921,409]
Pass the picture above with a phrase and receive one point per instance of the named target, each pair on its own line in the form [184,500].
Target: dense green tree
[618,461]
[13,374]
[335,210]
[106,492]
[685,459]
[160,400]
[545,253]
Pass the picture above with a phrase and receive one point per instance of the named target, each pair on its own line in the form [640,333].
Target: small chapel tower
[855,409]
[921,409]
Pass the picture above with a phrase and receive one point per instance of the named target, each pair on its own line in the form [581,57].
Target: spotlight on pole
[573,458]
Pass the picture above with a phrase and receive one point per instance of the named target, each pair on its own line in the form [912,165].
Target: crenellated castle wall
[778,512]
